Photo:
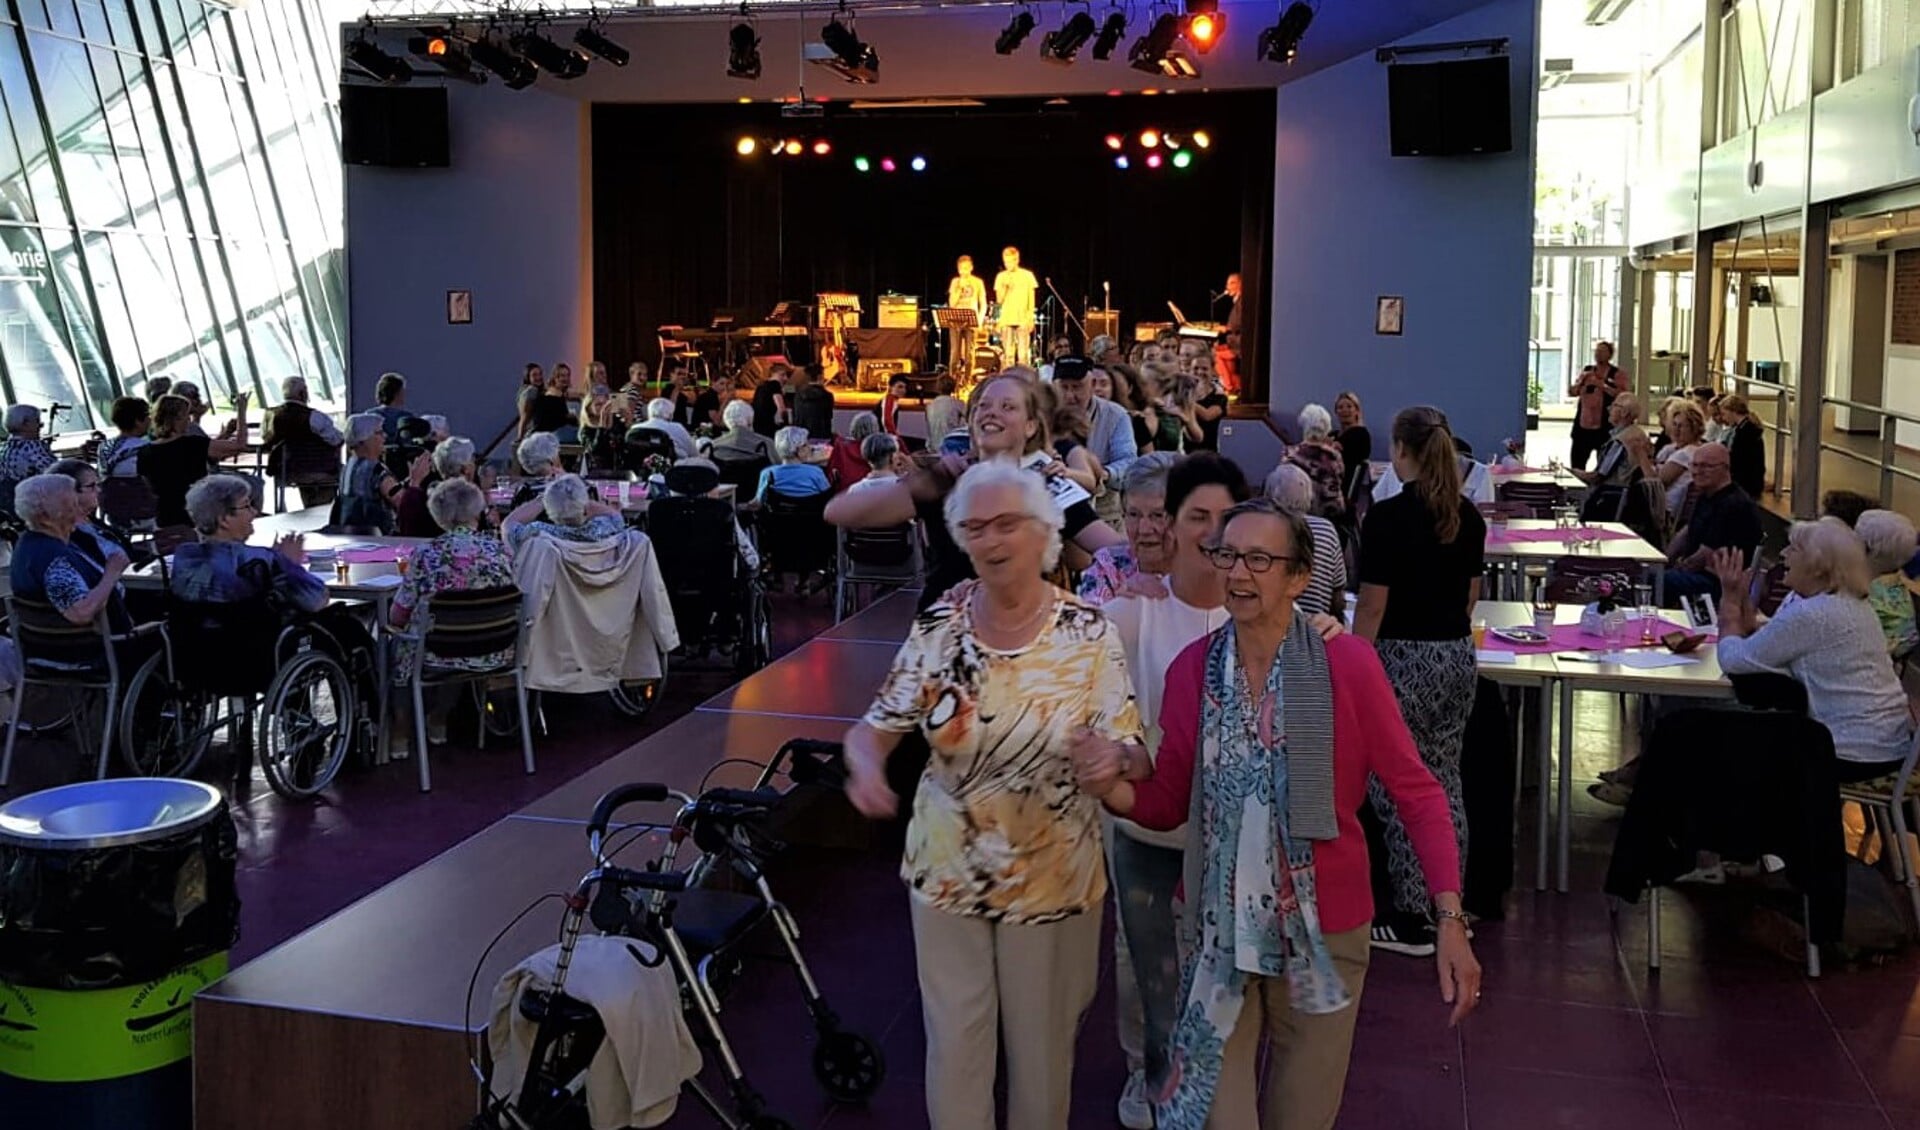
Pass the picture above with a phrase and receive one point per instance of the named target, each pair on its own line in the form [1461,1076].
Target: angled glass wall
[170,199]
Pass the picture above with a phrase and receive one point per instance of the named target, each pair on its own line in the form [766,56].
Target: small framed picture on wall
[459,307]
[1389,314]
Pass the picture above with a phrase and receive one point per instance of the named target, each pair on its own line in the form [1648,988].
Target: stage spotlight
[1182,159]
[793,148]
[516,72]
[1061,46]
[446,55]
[1115,141]
[1201,139]
[1149,139]
[822,148]
[590,39]
[1205,24]
[746,146]
[367,55]
[887,165]
[1281,42]
[1015,33]
[1153,160]
[560,62]
[1121,162]
[919,164]
[1149,53]
[862,165]
[855,61]
[743,52]
[1110,33]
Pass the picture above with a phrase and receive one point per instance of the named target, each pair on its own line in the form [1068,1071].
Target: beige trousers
[1307,1058]
[982,982]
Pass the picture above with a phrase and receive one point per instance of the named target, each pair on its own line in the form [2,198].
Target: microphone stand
[1067,310]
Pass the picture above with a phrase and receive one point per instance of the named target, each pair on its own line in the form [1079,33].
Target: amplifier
[874,373]
[1103,322]
[899,311]
[1147,331]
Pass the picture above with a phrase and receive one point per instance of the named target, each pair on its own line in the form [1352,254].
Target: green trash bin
[117,905]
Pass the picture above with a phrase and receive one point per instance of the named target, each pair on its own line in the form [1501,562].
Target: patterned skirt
[1434,683]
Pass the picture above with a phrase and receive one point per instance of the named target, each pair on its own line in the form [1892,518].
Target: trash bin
[117,905]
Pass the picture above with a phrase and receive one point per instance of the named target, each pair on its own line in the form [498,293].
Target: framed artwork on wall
[459,307]
[1389,314]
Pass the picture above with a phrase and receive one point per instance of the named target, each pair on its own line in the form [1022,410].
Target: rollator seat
[710,921]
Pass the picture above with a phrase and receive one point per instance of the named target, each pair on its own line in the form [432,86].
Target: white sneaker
[1135,1112]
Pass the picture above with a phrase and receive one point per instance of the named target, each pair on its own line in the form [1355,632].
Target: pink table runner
[1569,637]
[1497,533]
[372,555]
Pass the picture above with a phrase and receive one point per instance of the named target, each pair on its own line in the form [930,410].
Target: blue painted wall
[1454,236]
[507,221]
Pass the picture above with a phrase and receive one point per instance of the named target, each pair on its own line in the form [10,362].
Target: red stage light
[1202,29]
[1153,160]
[887,165]
[436,46]
[1115,141]
[822,148]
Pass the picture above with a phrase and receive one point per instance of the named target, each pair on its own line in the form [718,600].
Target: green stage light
[862,165]
[1182,159]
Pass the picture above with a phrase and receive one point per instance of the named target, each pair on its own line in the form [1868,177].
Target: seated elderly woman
[791,476]
[660,419]
[461,558]
[453,458]
[1319,455]
[48,566]
[571,514]
[1270,734]
[1144,518]
[1888,539]
[847,464]
[1826,638]
[88,537]
[538,457]
[740,442]
[368,492]
[24,454]
[1290,489]
[221,568]
[884,461]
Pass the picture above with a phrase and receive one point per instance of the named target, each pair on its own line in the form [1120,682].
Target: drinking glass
[1543,610]
[1648,614]
[1615,626]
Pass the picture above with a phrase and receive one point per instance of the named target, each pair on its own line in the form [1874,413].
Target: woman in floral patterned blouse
[460,559]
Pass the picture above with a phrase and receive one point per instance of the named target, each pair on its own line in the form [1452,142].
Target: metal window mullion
[55,162]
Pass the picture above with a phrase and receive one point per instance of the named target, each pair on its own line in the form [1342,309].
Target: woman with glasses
[1144,518]
[1421,556]
[1004,676]
[88,537]
[221,568]
[1268,738]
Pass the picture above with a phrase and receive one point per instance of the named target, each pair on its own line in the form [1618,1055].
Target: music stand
[951,318]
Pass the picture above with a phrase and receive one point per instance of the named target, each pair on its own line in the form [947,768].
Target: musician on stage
[967,291]
[1230,378]
[1016,290]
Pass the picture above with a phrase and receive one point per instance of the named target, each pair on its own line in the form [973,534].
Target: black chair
[717,602]
[887,557]
[794,533]
[641,444]
[1541,498]
[742,474]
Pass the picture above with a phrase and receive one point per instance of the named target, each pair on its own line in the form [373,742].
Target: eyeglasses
[1148,517]
[244,508]
[1258,561]
[1005,525]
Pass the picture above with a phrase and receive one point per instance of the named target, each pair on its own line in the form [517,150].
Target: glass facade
[170,199]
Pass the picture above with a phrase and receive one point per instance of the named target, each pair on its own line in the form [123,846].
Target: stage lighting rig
[1281,42]
[367,55]
[1061,46]
[1158,53]
[1206,23]
[516,72]
[841,50]
[592,39]
[743,50]
[437,46]
[1015,33]
[1111,31]
[560,62]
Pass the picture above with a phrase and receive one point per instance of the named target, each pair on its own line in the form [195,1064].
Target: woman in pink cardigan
[1269,784]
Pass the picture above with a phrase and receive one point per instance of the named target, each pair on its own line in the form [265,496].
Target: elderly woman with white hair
[1319,455]
[1827,639]
[368,492]
[847,462]
[660,412]
[1004,676]
[452,458]
[1144,518]
[48,567]
[740,443]
[791,475]
[24,454]
[460,559]
[565,510]
[221,568]
[1290,489]
[1888,538]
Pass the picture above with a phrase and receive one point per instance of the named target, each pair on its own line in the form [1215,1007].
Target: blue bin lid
[100,814]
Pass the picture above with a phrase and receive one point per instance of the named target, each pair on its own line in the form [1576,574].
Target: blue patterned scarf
[1252,907]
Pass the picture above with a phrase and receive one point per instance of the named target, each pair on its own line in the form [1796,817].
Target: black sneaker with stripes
[1403,933]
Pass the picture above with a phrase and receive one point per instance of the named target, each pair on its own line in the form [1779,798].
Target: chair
[642,444]
[55,652]
[312,467]
[794,533]
[1885,799]
[742,474]
[889,556]
[674,348]
[1503,509]
[467,625]
[1541,498]
[128,503]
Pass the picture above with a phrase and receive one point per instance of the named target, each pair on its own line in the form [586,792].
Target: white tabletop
[1586,671]
[1630,548]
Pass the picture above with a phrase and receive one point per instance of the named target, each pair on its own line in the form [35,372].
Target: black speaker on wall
[1451,108]
[401,127]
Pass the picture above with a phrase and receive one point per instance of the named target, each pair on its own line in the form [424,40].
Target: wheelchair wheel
[848,1066]
[754,649]
[164,731]
[636,698]
[45,710]
[307,725]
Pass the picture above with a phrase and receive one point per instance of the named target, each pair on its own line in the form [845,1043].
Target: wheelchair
[718,602]
[230,661]
[697,929]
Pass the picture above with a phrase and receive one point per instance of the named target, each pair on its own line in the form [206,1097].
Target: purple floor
[1573,1033]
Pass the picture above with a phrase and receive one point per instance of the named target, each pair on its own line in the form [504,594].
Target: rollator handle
[641,792]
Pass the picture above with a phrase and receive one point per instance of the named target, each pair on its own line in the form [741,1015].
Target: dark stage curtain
[684,227]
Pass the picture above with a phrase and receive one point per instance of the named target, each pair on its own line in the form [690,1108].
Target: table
[633,500]
[1509,559]
[1568,672]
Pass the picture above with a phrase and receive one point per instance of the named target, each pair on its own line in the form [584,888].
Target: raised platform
[359,1021]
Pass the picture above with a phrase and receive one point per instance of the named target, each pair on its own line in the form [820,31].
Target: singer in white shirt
[1016,290]
[967,291]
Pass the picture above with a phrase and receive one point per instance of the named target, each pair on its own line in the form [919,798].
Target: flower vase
[1596,620]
